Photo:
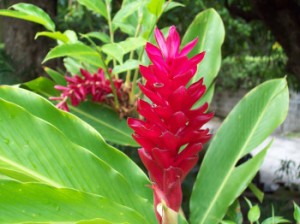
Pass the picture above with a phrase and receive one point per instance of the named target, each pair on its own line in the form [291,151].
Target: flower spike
[170,134]
[79,87]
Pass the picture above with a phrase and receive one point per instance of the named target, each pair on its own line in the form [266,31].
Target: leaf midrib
[31,173]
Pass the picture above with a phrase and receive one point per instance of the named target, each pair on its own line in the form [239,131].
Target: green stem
[138,29]
[111,30]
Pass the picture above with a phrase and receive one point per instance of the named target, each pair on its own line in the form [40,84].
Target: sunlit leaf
[54,35]
[249,123]
[32,202]
[78,51]
[45,153]
[30,13]
[56,76]
[209,28]
[117,50]
[127,66]
[98,6]
[98,35]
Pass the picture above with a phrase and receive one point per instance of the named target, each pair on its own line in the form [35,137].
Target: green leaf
[296,213]
[209,28]
[249,123]
[46,154]
[171,5]
[234,213]
[156,7]
[78,51]
[72,36]
[254,214]
[227,222]
[275,220]
[41,83]
[72,65]
[54,35]
[114,50]
[127,10]
[96,221]
[30,13]
[81,134]
[118,50]
[128,65]
[56,76]
[248,202]
[33,202]
[98,6]
[98,35]
[106,121]
[102,118]
[257,192]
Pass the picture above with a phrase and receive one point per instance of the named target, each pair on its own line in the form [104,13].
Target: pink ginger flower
[79,87]
[170,135]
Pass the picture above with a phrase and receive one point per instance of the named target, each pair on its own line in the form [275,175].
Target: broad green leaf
[257,192]
[72,36]
[117,50]
[209,28]
[296,213]
[128,65]
[72,65]
[105,120]
[33,202]
[132,43]
[98,6]
[254,214]
[275,220]
[156,7]
[249,123]
[171,5]
[97,221]
[15,173]
[114,50]
[227,222]
[42,84]
[56,76]
[81,134]
[127,10]
[98,35]
[46,154]
[237,183]
[78,51]
[182,219]
[30,13]
[54,35]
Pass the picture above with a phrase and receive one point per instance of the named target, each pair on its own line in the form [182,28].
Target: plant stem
[111,31]
[138,29]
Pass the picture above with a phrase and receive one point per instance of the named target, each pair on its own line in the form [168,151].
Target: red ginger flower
[171,134]
[79,88]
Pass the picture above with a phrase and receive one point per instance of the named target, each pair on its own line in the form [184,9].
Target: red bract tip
[170,135]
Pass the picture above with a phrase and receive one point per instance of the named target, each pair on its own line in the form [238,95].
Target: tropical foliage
[60,167]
